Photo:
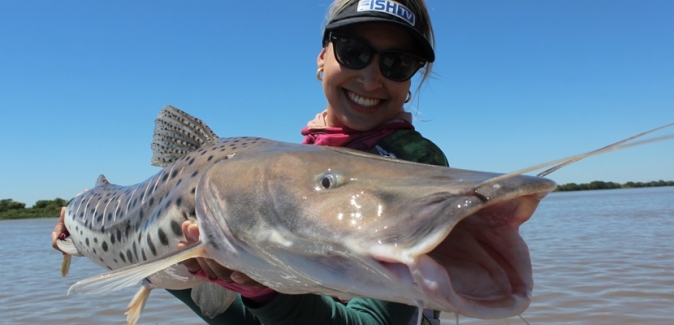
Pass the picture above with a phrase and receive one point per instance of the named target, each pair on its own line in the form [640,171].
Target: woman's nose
[370,76]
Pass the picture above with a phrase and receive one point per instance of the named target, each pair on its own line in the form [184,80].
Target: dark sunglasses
[355,54]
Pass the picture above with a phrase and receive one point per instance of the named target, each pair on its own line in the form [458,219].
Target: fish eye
[327,181]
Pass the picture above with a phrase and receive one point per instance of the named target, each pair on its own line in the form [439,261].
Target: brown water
[599,257]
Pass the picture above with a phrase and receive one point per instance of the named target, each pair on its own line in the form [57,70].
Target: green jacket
[312,309]
[409,145]
[306,309]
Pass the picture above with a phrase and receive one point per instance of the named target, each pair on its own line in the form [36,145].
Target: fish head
[413,233]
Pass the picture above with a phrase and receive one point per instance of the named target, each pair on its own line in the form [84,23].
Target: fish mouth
[477,267]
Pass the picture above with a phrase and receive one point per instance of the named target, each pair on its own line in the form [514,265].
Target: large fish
[309,219]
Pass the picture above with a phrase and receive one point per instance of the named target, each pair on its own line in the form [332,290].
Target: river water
[599,257]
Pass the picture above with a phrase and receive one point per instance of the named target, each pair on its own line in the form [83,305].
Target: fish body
[311,219]
[116,226]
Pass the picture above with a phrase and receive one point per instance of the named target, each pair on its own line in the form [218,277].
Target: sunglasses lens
[351,53]
[398,66]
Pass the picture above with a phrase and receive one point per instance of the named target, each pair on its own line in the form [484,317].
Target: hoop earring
[318,74]
[409,97]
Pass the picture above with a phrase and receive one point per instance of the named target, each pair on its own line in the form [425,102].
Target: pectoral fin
[133,274]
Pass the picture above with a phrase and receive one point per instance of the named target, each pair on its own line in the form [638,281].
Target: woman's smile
[362,104]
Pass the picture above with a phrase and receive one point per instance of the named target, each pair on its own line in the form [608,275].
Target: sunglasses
[355,54]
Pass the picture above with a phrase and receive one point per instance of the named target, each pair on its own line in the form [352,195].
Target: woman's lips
[362,104]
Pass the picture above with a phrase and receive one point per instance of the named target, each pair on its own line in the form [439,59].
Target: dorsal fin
[176,134]
[102,181]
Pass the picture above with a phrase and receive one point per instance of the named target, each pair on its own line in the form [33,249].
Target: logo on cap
[389,7]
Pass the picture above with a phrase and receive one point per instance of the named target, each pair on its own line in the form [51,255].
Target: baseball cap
[383,11]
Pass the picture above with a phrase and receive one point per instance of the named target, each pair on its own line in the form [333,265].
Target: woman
[371,50]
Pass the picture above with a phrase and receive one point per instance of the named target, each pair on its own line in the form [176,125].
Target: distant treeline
[10,209]
[599,185]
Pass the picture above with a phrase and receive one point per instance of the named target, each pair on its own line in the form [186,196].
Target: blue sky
[516,83]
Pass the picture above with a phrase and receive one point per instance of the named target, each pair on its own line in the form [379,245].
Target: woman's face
[364,99]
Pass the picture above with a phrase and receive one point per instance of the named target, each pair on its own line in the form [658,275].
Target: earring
[409,97]
[318,74]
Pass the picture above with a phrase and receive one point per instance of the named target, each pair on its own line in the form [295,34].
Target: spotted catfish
[310,219]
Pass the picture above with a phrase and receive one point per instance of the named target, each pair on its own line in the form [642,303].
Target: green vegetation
[10,209]
[599,185]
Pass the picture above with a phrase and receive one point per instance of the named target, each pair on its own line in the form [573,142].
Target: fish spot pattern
[151,245]
[162,237]
[177,229]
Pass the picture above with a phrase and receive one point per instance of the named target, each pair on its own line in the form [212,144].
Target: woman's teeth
[362,101]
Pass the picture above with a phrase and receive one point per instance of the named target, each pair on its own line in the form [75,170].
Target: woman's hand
[211,268]
[60,231]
